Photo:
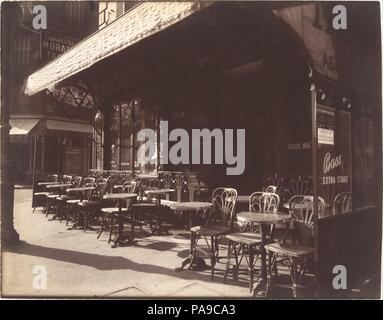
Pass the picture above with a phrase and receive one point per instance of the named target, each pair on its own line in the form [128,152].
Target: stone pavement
[80,265]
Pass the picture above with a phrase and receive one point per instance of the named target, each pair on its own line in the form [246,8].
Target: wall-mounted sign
[54,45]
[326,125]
[325,136]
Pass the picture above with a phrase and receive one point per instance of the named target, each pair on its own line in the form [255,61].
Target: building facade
[280,70]
[50,132]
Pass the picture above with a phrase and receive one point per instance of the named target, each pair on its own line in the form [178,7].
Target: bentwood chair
[90,209]
[271,189]
[51,197]
[70,211]
[39,197]
[109,213]
[241,243]
[342,203]
[219,223]
[60,201]
[295,256]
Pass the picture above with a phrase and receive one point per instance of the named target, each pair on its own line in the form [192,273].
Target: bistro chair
[61,200]
[242,242]
[271,189]
[219,223]
[145,210]
[39,197]
[342,203]
[89,209]
[294,255]
[51,197]
[70,211]
[109,213]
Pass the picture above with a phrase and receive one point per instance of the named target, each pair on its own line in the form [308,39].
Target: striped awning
[143,21]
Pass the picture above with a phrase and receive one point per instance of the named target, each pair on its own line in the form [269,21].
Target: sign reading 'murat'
[54,45]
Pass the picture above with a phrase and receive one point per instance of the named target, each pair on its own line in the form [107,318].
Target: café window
[334,160]
[128,118]
[364,186]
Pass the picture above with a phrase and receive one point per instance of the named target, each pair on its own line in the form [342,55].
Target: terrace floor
[79,265]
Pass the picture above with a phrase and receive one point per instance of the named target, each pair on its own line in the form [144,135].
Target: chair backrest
[271,189]
[76,181]
[300,186]
[193,186]
[129,186]
[88,182]
[302,213]
[167,180]
[264,202]
[52,178]
[101,188]
[342,203]
[224,200]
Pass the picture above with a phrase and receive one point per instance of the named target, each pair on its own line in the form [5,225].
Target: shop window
[364,183]
[129,118]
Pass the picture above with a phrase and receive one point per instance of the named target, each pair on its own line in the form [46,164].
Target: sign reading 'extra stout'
[334,159]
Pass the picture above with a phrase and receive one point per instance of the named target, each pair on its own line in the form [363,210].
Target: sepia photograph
[191,150]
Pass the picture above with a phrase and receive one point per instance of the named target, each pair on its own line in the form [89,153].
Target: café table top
[80,189]
[46,183]
[191,206]
[159,191]
[286,205]
[120,196]
[243,199]
[58,185]
[262,217]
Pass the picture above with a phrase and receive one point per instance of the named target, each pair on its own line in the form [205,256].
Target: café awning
[21,127]
[68,126]
[143,21]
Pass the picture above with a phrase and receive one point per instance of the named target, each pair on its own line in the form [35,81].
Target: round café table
[158,193]
[121,198]
[263,219]
[191,208]
[47,183]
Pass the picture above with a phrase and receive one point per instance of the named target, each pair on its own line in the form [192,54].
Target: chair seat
[74,201]
[144,205]
[66,198]
[210,230]
[247,238]
[113,210]
[87,203]
[41,193]
[289,249]
[52,196]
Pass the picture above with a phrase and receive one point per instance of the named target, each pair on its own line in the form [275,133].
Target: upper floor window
[110,11]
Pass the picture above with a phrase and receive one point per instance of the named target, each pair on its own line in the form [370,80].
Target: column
[8,232]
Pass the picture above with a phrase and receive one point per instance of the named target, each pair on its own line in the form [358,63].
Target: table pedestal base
[195,263]
[121,240]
